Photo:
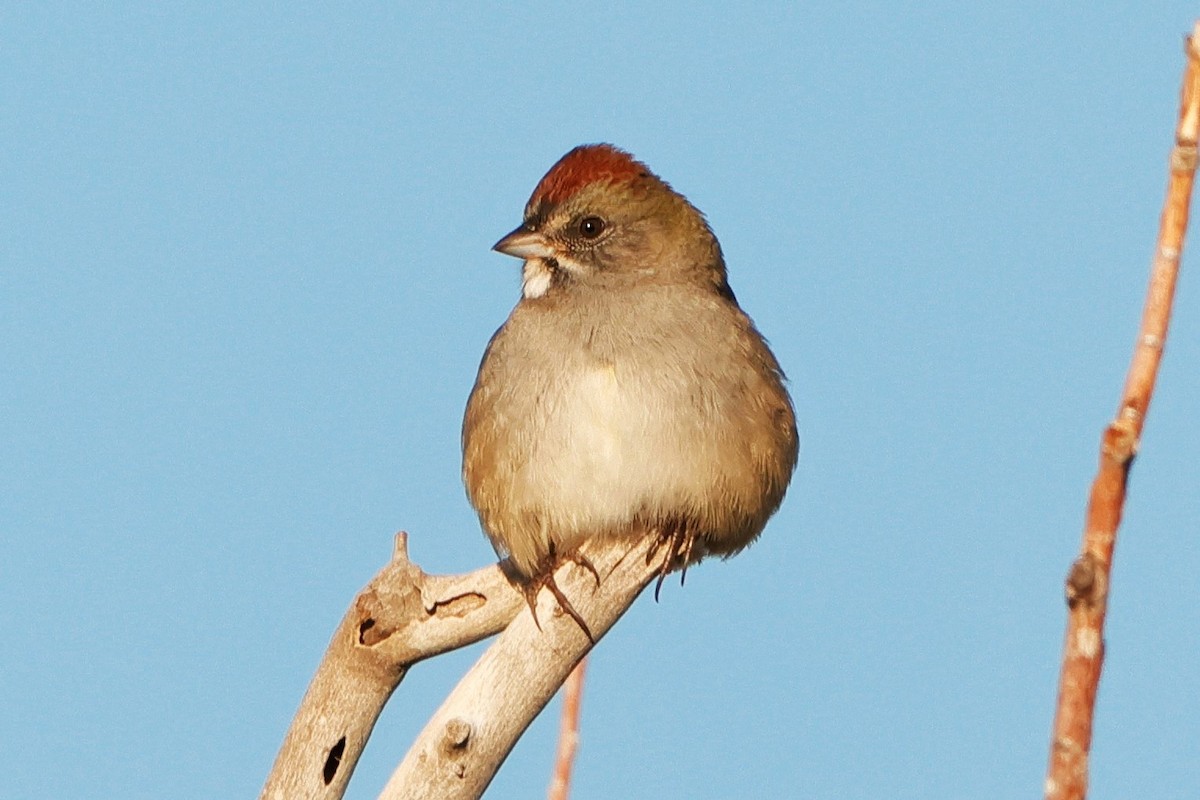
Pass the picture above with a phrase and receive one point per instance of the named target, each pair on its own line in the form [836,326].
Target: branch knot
[1086,583]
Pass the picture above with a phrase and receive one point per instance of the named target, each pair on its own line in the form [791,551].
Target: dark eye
[591,227]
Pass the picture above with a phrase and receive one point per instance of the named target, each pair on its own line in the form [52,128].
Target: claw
[583,561]
[545,578]
[530,589]
[679,540]
[566,606]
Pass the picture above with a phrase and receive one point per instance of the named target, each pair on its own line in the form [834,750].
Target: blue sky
[245,282]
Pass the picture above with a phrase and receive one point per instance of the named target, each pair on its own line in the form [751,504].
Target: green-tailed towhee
[627,394]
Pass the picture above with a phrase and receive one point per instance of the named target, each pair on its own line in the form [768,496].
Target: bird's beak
[524,243]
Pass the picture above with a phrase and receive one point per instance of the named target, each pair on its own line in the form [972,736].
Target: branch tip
[400,547]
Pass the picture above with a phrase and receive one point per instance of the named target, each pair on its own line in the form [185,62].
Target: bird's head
[599,216]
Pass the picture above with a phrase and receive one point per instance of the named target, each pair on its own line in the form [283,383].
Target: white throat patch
[535,277]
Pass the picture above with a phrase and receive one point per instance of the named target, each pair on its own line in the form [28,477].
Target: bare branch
[568,734]
[401,617]
[458,753]
[1088,581]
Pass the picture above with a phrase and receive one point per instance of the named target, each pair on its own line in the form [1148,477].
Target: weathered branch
[1088,581]
[401,617]
[458,753]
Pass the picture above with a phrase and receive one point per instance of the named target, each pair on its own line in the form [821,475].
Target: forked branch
[457,754]
[401,617]
[404,616]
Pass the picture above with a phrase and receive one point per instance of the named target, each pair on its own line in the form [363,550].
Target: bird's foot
[678,540]
[545,579]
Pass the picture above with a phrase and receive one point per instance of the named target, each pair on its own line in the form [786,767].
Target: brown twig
[1088,581]
[568,734]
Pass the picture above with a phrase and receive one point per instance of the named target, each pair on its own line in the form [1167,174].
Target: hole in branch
[334,760]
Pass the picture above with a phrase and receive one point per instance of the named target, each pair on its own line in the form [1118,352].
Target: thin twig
[1088,582]
[568,734]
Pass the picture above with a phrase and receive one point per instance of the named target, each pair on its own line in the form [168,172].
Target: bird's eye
[591,227]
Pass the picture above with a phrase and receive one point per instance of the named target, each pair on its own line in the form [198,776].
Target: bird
[627,394]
